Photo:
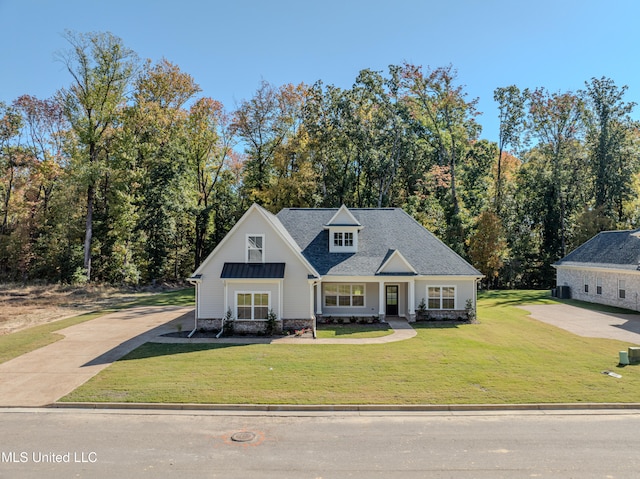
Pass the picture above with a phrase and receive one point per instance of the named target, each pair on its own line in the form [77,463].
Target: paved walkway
[45,375]
[587,323]
[401,330]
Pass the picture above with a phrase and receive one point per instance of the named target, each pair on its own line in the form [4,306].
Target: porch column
[318,300]
[311,297]
[381,301]
[412,300]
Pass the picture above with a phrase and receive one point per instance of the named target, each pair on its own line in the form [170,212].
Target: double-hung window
[255,248]
[441,297]
[598,285]
[252,305]
[622,292]
[349,295]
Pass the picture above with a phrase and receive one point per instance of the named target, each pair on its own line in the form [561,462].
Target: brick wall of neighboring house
[609,280]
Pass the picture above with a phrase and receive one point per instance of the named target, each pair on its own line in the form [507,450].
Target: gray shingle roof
[384,229]
[621,248]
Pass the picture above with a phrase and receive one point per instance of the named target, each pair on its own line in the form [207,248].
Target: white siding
[233,250]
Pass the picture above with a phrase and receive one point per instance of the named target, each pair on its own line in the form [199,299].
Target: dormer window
[255,248]
[343,232]
[343,239]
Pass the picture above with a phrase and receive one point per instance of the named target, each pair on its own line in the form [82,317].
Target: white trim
[345,210]
[351,295]
[247,248]
[442,286]
[598,269]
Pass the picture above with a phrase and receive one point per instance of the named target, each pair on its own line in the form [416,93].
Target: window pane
[244,312]
[358,301]
[255,255]
[261,299]
[434,292]
[434,303]
[345,301]
[337,239]
[448,303]
[344,289]
[260,312]
[244,299]
[331,301]
[348,239]
[255,242]
[331,288]
[358,289]
[448,292]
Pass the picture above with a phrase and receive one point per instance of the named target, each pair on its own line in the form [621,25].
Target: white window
[255,248]
[622,292]
[598,285]
[343,239]
[441,297]
[586,284]
[252,305]
[344,295]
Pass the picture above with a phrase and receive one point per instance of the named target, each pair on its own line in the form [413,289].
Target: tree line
[129,175]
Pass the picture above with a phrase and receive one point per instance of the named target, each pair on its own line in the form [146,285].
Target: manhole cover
[244,436]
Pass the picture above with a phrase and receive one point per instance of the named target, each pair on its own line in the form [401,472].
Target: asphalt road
[37,443]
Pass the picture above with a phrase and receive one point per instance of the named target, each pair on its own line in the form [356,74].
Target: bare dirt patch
[25,306]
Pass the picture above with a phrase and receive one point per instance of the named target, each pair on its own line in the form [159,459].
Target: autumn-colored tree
[488,247]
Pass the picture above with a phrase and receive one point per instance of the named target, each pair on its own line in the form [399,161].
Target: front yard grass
[354,331]
[506,357]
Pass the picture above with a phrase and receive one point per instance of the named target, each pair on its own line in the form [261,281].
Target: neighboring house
[604,270]
[303,264]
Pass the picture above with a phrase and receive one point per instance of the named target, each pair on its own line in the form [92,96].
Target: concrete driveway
[43,376]
[587,323]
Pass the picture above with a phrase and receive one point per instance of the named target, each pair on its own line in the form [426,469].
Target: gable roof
[343,217]
[384,229]
[619,249]
[396,263]
[278,228]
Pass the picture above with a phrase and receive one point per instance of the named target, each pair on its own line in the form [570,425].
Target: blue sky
[229,47]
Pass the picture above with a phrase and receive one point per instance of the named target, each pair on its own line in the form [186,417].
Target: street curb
[347,407]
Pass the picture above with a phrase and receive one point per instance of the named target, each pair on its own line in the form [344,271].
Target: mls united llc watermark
[69,457]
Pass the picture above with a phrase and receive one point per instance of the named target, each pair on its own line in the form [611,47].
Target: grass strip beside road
[21,342]
[506,358]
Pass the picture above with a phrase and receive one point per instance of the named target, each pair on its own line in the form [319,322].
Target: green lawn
[21,342]
[505,358]
[355,331]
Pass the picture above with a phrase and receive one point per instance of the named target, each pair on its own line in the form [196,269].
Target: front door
[392,300]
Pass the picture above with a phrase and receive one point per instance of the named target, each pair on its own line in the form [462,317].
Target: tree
[264,123]
[488,247]
[511,103]
[613,159]
[101,68]
[158,125]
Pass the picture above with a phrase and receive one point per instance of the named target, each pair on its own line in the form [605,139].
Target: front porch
[365,300]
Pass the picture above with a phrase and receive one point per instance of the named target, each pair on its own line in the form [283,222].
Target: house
[304,264]
[605,270]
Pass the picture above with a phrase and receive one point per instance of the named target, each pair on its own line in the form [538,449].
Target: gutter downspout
[196,282]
